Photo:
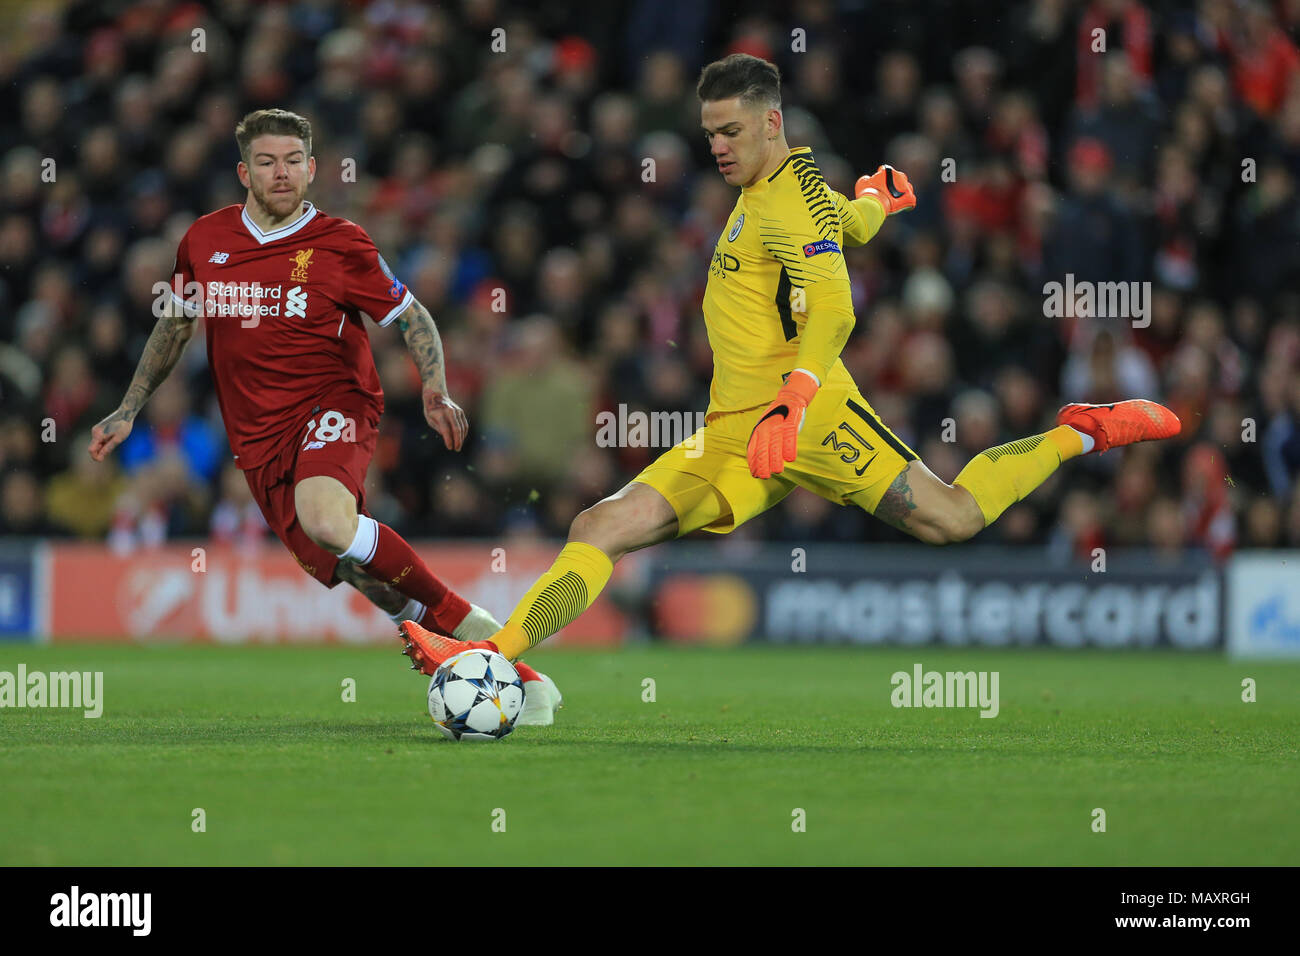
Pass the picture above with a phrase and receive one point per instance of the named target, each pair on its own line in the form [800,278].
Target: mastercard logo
[716,609]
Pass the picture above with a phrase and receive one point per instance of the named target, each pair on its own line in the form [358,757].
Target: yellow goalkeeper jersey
[779,261]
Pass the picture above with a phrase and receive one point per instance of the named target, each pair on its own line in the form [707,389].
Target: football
[476,695]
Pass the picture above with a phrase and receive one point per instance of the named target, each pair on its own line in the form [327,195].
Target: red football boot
[428,649]
[1120,423]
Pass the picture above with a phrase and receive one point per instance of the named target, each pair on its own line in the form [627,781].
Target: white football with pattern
[476,695]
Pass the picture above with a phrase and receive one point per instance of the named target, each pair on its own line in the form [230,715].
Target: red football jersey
[282,311]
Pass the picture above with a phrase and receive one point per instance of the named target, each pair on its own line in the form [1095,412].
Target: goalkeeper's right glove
[889,187]
[775,439]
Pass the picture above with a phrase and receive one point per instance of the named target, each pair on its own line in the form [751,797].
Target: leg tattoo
[897,504]
[388,599]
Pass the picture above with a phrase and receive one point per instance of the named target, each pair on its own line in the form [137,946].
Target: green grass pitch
[711,772]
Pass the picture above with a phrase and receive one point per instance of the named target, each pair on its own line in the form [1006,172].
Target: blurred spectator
[1263,524]
[1166,529]
[538,405]
[22,509]
[1101,370]
[1264,60]
[1280,441]
[1094,236]
[72,388]
[236,518]
[1266,231]
[167,430]
[1210,521]
[1081,529]
[18,444]
[83,499]
[172,457]
[1121,27]
[1124,120]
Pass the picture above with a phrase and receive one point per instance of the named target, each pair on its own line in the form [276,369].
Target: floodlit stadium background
[519,177]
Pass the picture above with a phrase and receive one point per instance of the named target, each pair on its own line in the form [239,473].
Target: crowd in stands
[508,189]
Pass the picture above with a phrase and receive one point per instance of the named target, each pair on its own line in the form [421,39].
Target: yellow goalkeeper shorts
[845,452]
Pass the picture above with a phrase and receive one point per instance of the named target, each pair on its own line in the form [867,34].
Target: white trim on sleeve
[191,309]
[397,310]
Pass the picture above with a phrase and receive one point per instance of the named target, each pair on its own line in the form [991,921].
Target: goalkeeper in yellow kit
[783,411]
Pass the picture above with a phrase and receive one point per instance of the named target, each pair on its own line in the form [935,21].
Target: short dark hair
[271,123]
[757,82]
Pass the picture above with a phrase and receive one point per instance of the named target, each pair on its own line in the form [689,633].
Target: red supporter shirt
[282,311]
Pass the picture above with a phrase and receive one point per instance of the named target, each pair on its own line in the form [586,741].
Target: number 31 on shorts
[850,452]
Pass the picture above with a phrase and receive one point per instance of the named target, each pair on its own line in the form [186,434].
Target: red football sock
[429,620]
[526,673]
[397,564]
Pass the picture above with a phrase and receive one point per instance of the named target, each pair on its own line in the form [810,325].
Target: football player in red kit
[282,288]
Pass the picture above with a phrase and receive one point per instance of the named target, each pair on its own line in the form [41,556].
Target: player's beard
[278,205]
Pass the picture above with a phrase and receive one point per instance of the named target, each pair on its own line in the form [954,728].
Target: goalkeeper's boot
[1120,423]
[428,649]
[541,698]
[478,625]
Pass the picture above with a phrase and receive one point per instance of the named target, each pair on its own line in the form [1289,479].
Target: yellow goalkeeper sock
[578,575]
[999,477]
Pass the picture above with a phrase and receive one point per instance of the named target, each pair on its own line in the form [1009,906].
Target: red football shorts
[335,442]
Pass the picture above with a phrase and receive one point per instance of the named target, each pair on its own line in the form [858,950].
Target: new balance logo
[296,302]
[219,258]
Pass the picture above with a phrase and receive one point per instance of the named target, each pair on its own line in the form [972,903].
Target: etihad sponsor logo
[723,263]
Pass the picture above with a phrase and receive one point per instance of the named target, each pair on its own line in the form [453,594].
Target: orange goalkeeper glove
[888,186]
[776,436]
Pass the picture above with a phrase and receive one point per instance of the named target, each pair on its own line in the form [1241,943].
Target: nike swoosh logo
[859,471]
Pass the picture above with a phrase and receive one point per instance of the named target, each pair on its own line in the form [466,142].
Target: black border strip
[879,429]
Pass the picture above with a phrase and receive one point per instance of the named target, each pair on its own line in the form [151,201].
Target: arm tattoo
[897,504]
[161,353]
[421,337]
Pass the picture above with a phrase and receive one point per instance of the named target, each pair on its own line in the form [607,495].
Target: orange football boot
[428,649]
[1120,423]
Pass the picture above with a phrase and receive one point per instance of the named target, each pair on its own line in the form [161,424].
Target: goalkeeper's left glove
[888,186]
[775,438]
